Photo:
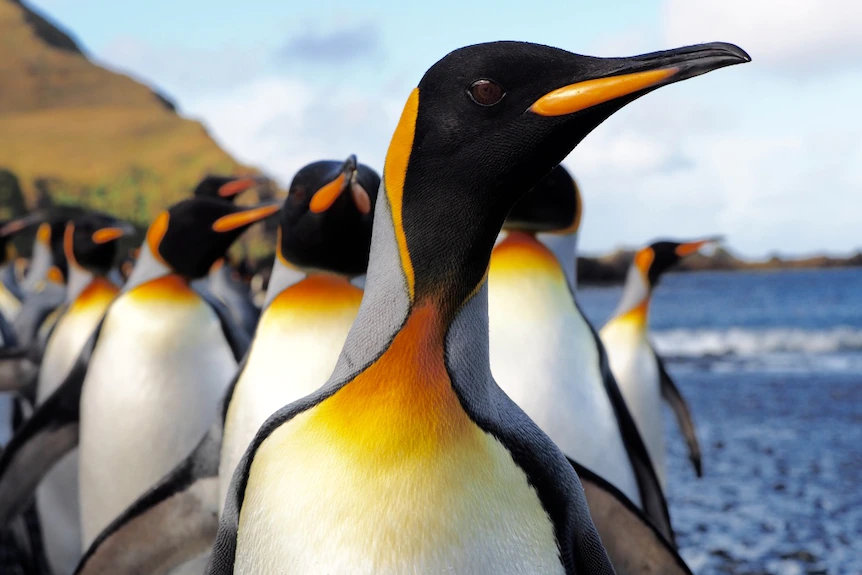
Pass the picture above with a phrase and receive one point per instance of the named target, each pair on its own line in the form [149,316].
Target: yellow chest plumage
[389,475]
[293,353]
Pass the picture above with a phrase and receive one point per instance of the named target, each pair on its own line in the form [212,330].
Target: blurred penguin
[640,372]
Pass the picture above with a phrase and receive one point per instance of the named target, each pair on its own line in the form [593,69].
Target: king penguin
[220,281]
[411,458]
[147,384]
[639,370]
[548,358]
[323,242]
[90,246]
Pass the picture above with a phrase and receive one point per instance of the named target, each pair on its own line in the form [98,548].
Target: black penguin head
[552,205]
[192,234]
[486,123]
[90,241]
[11,228]
[660,256]
[326,219]
[226,187]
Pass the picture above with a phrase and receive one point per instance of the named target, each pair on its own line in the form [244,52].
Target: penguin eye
[486,92]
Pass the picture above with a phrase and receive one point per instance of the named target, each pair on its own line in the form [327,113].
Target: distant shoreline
[612,268]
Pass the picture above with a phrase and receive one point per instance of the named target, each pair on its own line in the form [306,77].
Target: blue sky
[768,154]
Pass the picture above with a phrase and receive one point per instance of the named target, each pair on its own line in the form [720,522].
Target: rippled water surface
[771,364]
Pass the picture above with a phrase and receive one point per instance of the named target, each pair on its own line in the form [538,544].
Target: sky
[768,154]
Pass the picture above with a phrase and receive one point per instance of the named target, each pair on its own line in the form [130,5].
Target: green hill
[81,134]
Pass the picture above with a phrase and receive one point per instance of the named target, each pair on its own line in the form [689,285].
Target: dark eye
[486,92]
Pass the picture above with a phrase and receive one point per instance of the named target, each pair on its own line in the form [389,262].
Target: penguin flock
[418,390]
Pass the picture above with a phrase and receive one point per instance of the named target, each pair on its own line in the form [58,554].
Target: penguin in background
[220,281]
[411,458]
[640,372]
[43,288]
[323,242]
[10,290]
[89,243]
[146,386]
[548,358]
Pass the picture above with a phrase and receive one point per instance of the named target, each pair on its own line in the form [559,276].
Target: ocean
[771,364]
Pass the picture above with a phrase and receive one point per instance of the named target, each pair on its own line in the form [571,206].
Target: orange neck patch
[68,244]
[521,253]
[394,174]
[170,288]
[638,315]
[155,234]
[316,293]
[98,293]
[403,405]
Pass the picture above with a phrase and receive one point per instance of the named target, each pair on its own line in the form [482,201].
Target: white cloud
[789,36]
[281,123]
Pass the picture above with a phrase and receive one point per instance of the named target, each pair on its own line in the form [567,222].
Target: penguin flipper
[174,522]
[19,370]
[41,441]
[238,340]
[671,394]
[634,545]
[49,434]
[652,497]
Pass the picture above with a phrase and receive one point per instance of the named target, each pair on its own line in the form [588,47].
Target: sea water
[771,364]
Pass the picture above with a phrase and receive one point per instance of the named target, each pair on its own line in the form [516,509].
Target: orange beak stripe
[236,186]
[576,97]
[106,235]
[323,198]
[231,222]
[689,248]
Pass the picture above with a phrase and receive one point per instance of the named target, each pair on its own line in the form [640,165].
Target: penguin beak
[245,217]
[234,187]
[323,198]
[688,248]
[15,226]
[630,78]
[109,234]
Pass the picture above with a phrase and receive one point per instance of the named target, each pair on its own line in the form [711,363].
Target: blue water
[771,364]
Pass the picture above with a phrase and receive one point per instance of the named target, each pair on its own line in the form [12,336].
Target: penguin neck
[40,263]
[387,306]
[283,276]
[565,249]
[78,280]
[634,303]
[148,267]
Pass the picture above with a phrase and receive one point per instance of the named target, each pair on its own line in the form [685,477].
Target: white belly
[9,304]
[152,390]
[636,372]
[63,348]
[57,494]
[544,356]
[288,360]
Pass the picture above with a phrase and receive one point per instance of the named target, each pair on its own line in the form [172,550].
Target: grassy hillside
[86,135]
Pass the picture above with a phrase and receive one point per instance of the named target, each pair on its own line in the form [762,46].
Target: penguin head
[326,219]
[484,125]
[552,205]
[90,241]
[226,187]
[658,257]
[11,228]
[192,234]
